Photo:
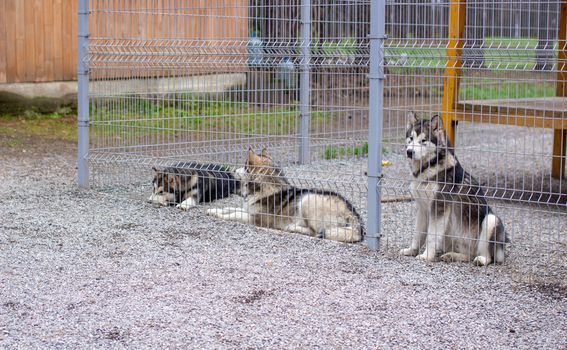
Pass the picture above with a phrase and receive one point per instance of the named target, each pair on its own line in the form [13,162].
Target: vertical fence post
[304,82]
[375,118]
[83,94]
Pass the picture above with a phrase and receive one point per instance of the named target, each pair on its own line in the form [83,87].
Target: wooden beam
[560,136]
[3,53]
[511,119]
[457,19]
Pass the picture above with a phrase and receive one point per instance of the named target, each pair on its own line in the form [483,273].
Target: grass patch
[511,53]
[334,152]
[142,118]
[12,143]
[492,89]
[47,126]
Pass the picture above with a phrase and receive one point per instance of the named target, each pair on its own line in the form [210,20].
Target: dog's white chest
[423,191]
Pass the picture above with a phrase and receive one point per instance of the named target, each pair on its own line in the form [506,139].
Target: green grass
[518,53]
[16,129]
[334,152]
[345,46]
[146,117]
[490,89]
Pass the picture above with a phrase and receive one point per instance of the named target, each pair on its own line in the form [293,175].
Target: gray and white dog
[271,201]
[187,184]
[454,221]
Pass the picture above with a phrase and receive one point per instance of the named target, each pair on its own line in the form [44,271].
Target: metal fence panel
[193,81]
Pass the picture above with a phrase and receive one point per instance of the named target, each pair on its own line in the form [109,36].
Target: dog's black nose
[409,152]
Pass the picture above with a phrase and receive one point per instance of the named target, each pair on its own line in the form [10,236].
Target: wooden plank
[3,53]
[11,58]
[559,148]
[560,136]
[29,29]
[549,107]
[39,48]
[64,40]
[57,38]
[510,119]
[20,30]
[74,40]
[67,46]
[48,38]
[458,11]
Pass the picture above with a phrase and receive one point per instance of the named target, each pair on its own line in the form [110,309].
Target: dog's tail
[347,234]
[496,236]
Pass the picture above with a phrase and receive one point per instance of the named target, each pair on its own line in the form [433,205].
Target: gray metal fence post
[83,94]
[375,118]
[304,86]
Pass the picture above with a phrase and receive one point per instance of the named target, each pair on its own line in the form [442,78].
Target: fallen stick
[396,199]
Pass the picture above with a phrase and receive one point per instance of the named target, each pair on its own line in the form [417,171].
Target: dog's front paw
[216,212]
[447,257]
[426,257]
[184,206]
[481,261]
[187,204]
[408,252]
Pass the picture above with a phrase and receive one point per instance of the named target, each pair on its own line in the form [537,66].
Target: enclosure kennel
[326,90]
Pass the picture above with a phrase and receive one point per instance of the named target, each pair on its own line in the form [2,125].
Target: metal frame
[83,94]
[375,120]
[305,82]
[162,91]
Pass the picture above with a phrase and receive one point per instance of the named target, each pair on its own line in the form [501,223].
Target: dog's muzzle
[409,153]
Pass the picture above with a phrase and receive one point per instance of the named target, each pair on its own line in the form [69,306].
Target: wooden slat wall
[38,40]
[40,48]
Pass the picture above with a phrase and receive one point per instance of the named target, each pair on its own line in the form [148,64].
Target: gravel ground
[82,269]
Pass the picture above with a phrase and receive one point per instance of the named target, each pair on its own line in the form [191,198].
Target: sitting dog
[272,202]
[188,184]
[453,217]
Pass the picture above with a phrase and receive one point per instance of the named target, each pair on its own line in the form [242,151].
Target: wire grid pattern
[508,110]
[202,81]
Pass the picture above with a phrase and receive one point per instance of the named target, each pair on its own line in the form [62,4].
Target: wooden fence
[38,38]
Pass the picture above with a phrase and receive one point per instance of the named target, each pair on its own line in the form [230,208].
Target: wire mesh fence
[494,72]
[194,84]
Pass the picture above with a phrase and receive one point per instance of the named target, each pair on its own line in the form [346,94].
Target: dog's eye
[423,142]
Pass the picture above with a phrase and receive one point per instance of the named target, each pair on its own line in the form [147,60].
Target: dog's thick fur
[188,184]
[272,202]
[453,217]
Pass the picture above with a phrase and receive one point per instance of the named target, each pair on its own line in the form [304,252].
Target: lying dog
[272,202]
[453,217]
[188,184]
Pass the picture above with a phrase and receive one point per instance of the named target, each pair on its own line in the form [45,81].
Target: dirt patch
[37,136]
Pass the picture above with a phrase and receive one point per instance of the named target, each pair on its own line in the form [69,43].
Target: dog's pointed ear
[412,119]
[265,152]
[436,123]
[252,157]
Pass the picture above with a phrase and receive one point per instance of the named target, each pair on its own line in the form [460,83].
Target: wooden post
[560,135]
[457,19]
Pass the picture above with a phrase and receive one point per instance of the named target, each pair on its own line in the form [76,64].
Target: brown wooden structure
[38,38]
[536,112]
